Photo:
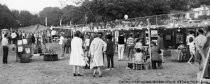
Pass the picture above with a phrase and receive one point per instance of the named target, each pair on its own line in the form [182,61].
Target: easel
[202,78]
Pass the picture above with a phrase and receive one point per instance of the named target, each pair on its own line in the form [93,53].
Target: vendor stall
[24,51]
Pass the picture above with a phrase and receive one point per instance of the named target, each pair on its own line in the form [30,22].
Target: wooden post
[149,32]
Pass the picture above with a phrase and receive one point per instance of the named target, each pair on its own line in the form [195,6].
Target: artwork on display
[20,48]
[25,41]
[179,38]
[20,42]
[27,50]
[154,33]
[168,37]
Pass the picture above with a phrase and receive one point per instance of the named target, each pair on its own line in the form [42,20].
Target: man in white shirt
[200,40]
[61,43]
[5,48]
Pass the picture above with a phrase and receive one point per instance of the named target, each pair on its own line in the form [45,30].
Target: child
[136,60]
[191,48]
[138,56]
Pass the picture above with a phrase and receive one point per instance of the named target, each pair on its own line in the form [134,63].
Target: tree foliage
[53,15]
[95,11]
[7,19]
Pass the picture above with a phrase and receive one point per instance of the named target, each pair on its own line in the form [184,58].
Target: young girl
[138,56]
[136,60]
[192,49]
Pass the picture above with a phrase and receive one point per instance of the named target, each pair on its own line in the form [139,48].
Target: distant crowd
[89,50]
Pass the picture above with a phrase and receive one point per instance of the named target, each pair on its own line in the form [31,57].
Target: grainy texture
[60,72]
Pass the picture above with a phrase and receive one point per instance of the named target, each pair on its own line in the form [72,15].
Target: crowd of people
[34,39]
[198,47]
[90,49]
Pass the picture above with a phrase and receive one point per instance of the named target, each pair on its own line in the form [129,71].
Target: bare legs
[76,71]
[99,71]
[192,55]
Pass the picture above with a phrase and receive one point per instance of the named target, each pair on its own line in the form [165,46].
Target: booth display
[24,51]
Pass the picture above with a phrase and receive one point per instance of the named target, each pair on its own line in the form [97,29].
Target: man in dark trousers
[5,48]
[110,52]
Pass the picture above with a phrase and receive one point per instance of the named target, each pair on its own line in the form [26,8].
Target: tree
[204,2]
[179,5]
[6,18]
[53,15]
[25,18]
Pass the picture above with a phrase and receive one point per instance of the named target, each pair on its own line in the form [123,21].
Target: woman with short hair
[77,54]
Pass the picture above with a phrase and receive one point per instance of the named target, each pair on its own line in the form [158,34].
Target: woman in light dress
[77,54]
[97,48]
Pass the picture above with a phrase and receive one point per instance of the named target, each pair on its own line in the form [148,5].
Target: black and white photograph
[104,41]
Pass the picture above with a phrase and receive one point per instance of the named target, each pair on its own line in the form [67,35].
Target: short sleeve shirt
[200,40]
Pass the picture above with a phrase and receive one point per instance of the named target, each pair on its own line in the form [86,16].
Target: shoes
[94,75]
[112,68]
[100,76]
[189,63]
[79,75]
[75,74]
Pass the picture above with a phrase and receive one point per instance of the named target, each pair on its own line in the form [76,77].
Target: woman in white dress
[77,54]
[97,47]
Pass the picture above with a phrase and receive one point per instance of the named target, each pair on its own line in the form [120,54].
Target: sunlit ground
[60,72]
